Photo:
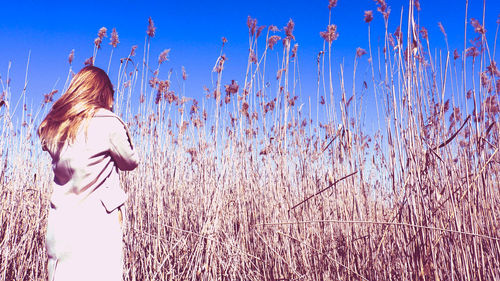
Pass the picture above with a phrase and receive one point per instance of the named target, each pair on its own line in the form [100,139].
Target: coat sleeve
[121,146]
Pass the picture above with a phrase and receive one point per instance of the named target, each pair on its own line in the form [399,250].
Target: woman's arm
[121,148]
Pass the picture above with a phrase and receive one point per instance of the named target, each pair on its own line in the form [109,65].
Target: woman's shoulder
[104,118]
[105,114]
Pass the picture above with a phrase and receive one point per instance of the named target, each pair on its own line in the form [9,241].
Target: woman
[88,143]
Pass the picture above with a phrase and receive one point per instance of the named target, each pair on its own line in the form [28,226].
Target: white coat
[84,235]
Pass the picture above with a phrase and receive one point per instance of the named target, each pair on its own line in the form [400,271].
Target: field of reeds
[250,184]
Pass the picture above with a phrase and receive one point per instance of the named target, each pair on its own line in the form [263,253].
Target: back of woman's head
[89,90]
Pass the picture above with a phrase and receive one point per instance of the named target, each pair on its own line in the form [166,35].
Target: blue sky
[193,31]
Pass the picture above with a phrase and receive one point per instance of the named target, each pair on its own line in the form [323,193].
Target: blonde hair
[88,91]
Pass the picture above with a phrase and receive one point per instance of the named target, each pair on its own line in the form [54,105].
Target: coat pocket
[112,198]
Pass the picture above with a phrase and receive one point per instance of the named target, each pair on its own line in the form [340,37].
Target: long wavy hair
[89,90]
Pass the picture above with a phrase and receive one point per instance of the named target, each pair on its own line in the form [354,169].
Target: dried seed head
[382,5]
[322,100]
[132,51]
[151,28]
[89,61]
[272,41]
[485,81]
[255,116]
[97,42]
[216,94]
[184,125]
[102,32]
[197,123]
[383,8]
[259,30]
[126,84]
[252,57]
[472,52]
[493,70]
[318,58]
[446,106]
[332,4]
[184,100]
[442,29]
[184,74]
[289,30]
[294,50]
[265,151]
[219,65]
[279,73]
[252,24]
[455,115]
[49,97]
[114,38]
[492,106]
[455,54]
[399,35]
[424,33]
[100,35]
[71,56]
[269,106]
[417,5]
[331,34]
[469,94]
[273,28]
[158,97]
[194,107]
[232,88]
[360,52]
[387,13]
[368,16]
[153,82]
[163,86]
[207,91]
[244,109]
[192,152]
[171,97]
[477,26]
[163,56]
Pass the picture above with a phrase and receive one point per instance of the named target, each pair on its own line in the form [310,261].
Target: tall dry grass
[245,185]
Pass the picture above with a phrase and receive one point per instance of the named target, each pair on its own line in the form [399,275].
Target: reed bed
[249,185]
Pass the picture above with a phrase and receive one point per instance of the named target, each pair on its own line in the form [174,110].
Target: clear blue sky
[193,31]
